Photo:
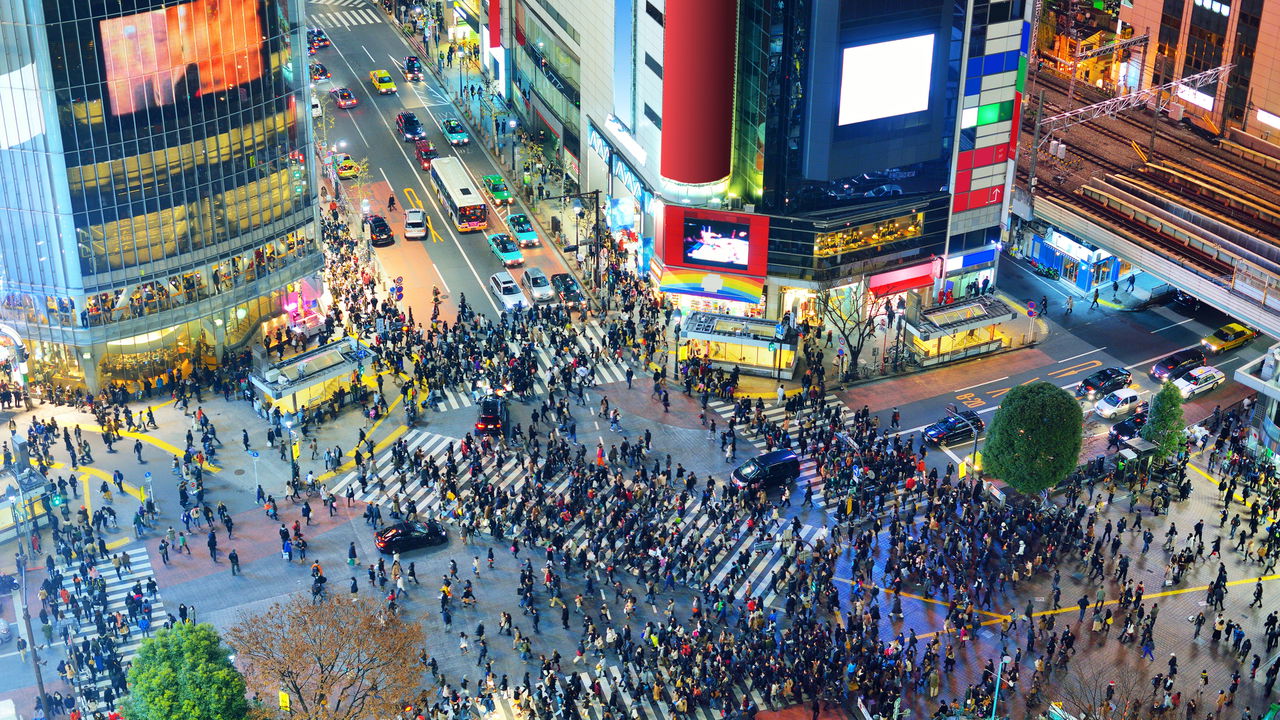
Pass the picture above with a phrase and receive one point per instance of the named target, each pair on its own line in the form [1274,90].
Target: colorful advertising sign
[715,240]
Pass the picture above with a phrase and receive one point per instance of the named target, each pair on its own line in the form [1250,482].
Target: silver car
[535,283]
[504,288]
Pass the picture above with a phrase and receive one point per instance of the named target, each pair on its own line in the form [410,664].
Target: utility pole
[1035,153]
[24,533]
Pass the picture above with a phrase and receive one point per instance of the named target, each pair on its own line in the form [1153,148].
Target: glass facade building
[157,194]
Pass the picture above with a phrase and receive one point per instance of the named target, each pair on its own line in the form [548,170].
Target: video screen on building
[885,79]
[717,243]
[154,58]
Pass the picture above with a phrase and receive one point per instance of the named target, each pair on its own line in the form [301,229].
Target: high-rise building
[157,202]
[760,152]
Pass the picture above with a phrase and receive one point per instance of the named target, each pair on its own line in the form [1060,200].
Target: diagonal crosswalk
[745,559]
[117,589]
[590,337]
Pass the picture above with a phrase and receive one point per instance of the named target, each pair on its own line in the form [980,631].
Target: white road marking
[1174,325]
[1074,357]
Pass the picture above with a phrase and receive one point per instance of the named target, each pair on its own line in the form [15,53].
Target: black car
[317,38]
[1177,364]
[409,535]
[412,68]
[380,234]
[495,417]
[1128,428]
[770,470]
[410,127]
[954,428]
[1185,301]
[567,290]
[1102,382]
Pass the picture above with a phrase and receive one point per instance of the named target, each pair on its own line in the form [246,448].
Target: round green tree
[1034,440]
[185,672]
[1165,424]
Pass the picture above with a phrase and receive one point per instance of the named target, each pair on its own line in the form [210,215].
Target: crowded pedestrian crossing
[591,337]
[767,548]
[136,572]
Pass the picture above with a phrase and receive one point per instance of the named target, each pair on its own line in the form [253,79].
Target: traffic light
[57,499]
[298,185]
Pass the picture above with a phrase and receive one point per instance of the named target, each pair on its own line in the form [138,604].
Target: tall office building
[765,151]
[157,202]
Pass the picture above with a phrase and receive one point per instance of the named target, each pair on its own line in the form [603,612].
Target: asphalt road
[1077,345]
[462,263]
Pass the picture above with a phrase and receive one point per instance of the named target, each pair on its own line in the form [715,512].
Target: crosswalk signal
[298,185]
[57,499]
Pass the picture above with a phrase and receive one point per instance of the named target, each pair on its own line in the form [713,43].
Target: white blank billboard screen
[885,79]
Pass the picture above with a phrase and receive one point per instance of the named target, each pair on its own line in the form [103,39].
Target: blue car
[455,132]
[506,250]
[523,230]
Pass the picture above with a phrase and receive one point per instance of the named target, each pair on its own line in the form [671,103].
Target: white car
[315,107]
[505,289]
[535,282]
[1117,403]
[1199,380]
[415,223]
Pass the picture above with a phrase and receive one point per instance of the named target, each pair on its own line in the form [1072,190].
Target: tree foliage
[852,314]
[1165,424]
[1035,438]
[185,672]
[336,661]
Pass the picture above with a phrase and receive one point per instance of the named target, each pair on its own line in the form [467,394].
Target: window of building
[654,117]
[653,65]
[654,12]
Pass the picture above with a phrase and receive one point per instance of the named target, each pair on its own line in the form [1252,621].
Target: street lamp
[995,697]
[13,493]
[511,127]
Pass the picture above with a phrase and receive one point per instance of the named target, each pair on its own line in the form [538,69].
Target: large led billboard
[182,51]
[715,240]
[885,79]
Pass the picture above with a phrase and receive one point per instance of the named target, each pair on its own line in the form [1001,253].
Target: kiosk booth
[755,346]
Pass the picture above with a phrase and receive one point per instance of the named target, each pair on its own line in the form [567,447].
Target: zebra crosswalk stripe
[341,3]
[117,589]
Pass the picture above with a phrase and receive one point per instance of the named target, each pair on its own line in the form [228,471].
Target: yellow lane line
[157,442]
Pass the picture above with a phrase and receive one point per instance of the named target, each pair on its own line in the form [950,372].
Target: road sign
[147,475]
[1031,308]
[252,453]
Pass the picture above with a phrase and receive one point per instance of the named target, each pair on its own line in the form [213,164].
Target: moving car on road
[425,152]
[344,98]
[506,250]
[410,127]
[568,290]
[412,68]
[317,39]
[495,417]
[382,82]
[1103,382]
[1128,428]
[380,234]
[535,282]
[344,166]
[319,72]
[1198,381]
[1228,337]
[1117,403]
[415,223]
[954,428]
[522,229]
[409,535]
[497,189]
[767,471]
[504,288]
[1176,365]
[455,132]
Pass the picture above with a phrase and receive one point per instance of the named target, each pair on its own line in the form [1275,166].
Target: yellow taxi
[344,166]
[1228,337]
[382,82]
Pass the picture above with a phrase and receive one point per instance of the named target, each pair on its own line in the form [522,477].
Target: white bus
[463,204]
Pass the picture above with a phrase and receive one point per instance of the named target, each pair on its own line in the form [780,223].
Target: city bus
[462,203]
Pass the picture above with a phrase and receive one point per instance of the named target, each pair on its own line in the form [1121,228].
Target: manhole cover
[239,472]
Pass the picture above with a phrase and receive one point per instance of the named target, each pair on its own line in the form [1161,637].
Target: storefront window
[850,239]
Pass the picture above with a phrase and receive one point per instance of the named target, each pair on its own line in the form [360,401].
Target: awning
[719,286]
[896,281]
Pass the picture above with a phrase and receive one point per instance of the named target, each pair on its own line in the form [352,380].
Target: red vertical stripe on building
[495,23]
[698,59]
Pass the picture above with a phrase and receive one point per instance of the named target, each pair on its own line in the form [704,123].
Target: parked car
[1200,380]
[319,72]
[404,536]
[317,39]
[767,471]
[1102,382]
[1228,337]
[1118,403]
[954,428]
[535,282]
[380,234]
[1176,365]
[1128,428]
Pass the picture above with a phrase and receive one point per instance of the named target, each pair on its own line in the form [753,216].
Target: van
[768,471]
[315,107]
